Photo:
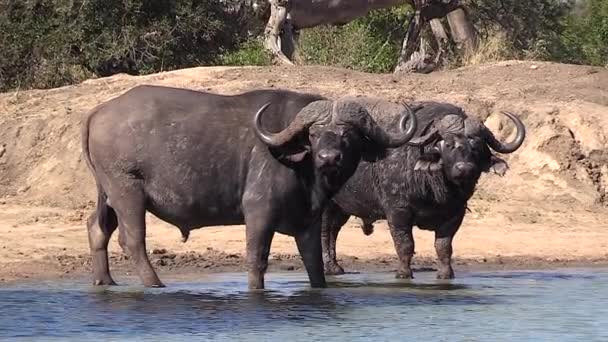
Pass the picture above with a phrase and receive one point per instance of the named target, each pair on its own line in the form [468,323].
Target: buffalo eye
[473,141]
[346,136]
[345,140]
[438,147]
[446,144]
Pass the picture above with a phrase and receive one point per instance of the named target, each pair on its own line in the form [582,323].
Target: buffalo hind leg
[333,220]
[99,237]
[132,220]
[122,241]
[309,246]
[443,246]
[400,226]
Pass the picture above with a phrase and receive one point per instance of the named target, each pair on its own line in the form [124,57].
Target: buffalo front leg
[400,227]
[259,238]
[309,246]
[331,264]
[99,237]
[443,246]
[333,220]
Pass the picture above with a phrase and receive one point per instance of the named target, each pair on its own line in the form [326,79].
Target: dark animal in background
[197,159]
[426,184]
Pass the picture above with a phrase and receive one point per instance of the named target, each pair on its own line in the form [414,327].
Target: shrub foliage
[50,43]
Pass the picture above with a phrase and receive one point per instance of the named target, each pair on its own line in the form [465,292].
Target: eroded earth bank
[549,210]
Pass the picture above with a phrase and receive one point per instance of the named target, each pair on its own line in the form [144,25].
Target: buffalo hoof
[155,285]
[447,274]
[105,282]
[404,275]
[333,269]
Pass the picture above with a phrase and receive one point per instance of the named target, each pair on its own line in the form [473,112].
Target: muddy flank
[549,210]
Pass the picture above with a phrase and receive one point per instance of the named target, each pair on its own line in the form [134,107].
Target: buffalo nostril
[338,157]
[330,156]
[464,167]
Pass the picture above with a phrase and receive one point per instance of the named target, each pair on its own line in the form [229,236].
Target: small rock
[169,256]
[160,262]
[159,251]
[534,67]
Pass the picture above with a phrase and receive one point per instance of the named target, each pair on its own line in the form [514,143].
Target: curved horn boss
[361,118]
[300,122]
[358,117]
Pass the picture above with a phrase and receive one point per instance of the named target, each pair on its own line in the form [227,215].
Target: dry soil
[549,210]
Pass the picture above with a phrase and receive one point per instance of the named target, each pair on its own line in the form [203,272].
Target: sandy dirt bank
[549,210]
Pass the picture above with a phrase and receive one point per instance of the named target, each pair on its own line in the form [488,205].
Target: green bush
[370,44]
[251,52]
[585,39]
[533,27]
[48,43]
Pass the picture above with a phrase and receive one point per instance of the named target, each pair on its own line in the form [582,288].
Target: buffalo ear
[372,152]
[297,156]
[498,166]
[292,155]
[429,162]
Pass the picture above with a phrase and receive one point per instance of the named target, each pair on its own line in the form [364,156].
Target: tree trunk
[274,31]
[411,42]
[442,40]
[462,30]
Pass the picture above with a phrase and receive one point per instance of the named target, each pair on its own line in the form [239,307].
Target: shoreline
[170,265]
[49,243]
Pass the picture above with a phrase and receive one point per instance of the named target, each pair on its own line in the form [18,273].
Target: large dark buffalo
[426,184]
[197,159]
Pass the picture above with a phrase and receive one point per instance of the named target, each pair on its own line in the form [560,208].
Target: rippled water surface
[561,305]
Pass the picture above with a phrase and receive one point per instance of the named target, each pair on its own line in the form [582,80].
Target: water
[561,305]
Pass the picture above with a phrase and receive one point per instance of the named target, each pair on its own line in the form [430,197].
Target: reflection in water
[557,305]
